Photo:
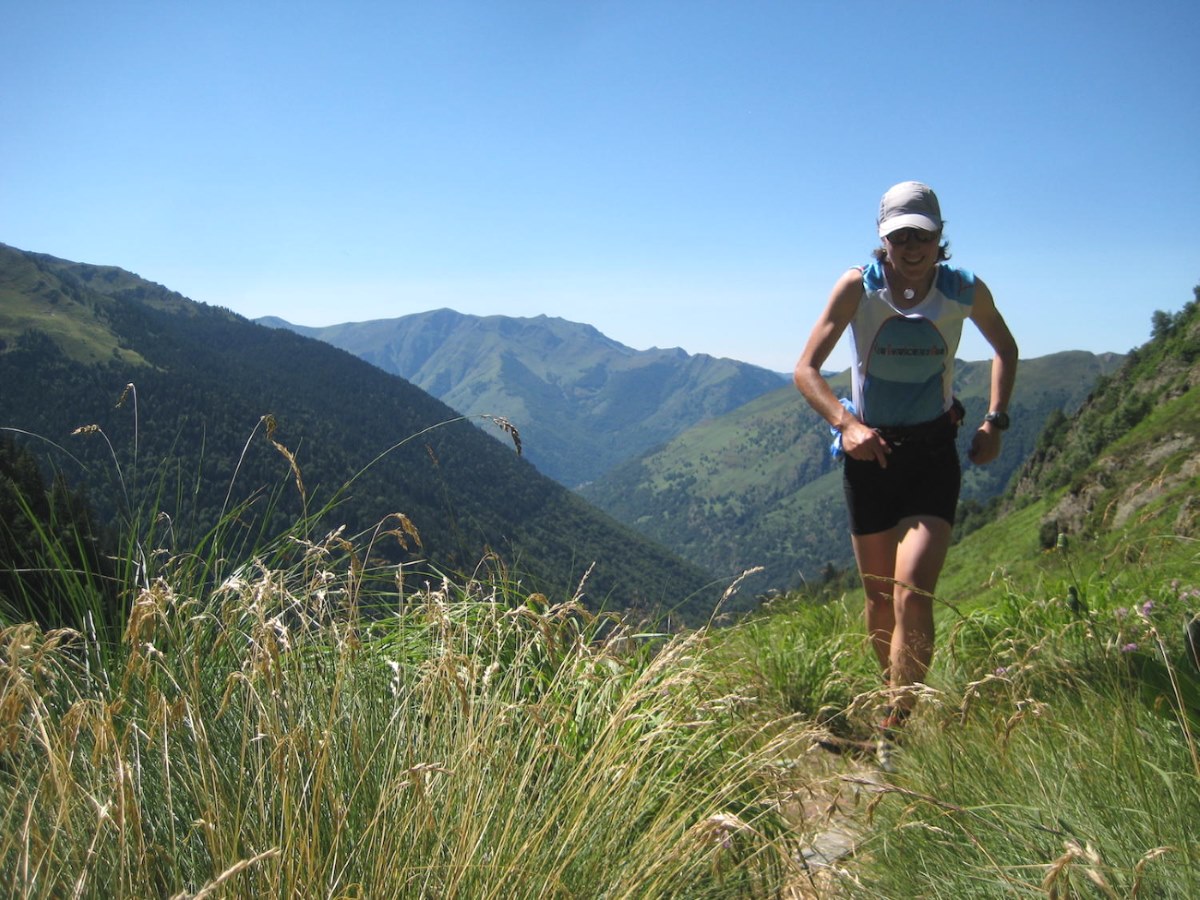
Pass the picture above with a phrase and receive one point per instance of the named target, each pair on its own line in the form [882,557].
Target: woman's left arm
[985,446]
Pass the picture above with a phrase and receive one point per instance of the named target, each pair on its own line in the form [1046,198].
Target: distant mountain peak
[583,401]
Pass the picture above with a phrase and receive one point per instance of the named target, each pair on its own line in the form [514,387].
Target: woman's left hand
[985,446]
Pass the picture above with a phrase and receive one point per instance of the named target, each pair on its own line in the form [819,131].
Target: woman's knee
[913,605]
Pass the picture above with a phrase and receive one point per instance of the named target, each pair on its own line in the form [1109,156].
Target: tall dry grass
[267,739]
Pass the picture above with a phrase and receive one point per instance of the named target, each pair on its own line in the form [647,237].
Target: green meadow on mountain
[583,401]
[198,412]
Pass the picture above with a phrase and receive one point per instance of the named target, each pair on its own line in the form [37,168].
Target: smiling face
[912,253]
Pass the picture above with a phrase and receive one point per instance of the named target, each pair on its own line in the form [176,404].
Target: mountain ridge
[583,401]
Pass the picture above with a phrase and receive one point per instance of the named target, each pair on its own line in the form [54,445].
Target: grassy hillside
[583,402]
[215,412]
[33,297]
[757,486]
[1119,481]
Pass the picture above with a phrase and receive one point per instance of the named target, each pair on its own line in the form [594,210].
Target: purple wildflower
[1121,612]
[1129,648]
[1147,607]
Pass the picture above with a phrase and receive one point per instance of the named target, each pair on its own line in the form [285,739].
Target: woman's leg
[900,569]
[876,558]
[919,558]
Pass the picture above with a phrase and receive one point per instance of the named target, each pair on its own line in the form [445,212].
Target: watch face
[999,419]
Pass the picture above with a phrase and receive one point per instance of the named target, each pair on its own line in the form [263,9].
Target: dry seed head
[282,635]
[1028,707]
[232,680]
[419,774]
[491,670]
[149,611]
[1050,882]
[285,452]
[582,581]
[924,826]
[1147,857]
[720,829]
[1075,852]
[396,672]
[737,582]
[875,801]
[405,529]
[510,429]
[234,870]
[972,691]
[234,584]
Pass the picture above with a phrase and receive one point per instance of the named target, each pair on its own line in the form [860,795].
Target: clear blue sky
[692,174]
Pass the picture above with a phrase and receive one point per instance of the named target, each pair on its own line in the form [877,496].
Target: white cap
[909,204]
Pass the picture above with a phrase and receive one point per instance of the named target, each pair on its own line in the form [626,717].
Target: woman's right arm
[858,441]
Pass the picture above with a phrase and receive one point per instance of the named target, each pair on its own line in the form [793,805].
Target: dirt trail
[829,812]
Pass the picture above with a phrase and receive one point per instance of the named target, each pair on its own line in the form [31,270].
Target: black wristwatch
[999,419]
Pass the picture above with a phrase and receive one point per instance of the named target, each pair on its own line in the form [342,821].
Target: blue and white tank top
[902,365]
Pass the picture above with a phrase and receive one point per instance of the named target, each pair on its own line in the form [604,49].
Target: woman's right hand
[863,443]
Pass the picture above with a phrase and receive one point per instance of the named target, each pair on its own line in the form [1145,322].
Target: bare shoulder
[989,321]
[851,279]
[847,291]
[839,311]
[983,303]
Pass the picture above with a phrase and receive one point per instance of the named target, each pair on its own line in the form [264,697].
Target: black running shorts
[922,478]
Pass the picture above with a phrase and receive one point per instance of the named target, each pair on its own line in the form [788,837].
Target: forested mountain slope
[211,405]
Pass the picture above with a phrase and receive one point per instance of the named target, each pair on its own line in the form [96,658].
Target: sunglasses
[904,235]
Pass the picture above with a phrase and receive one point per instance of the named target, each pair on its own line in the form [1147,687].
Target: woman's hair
[880,252]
